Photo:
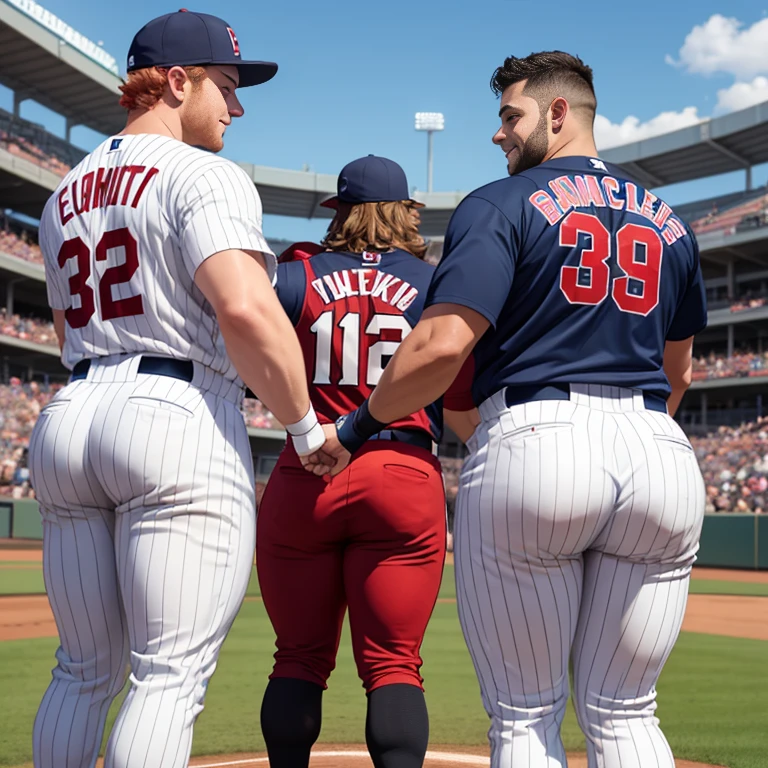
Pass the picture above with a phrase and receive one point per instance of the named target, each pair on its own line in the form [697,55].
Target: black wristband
[357,427]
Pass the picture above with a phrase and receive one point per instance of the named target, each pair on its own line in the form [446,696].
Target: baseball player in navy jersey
[373,539]
[580,502]
[160,282]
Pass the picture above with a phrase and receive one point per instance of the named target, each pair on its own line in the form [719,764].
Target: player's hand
[331,459]
[334,448]
[318,463]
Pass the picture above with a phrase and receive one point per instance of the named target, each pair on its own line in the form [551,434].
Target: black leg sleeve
[397,726]
[291,713]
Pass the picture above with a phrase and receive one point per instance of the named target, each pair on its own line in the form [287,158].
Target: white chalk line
[446,757]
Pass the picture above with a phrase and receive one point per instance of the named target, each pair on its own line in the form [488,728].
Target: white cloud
[722,45]
[608,134]
[742,95]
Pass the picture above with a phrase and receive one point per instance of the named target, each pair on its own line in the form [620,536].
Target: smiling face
[524,134]
[208,108]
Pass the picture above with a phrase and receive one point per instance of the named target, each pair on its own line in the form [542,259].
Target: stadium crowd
[27,329]
[740,365]
[20,246]
[22,147]
[733,460]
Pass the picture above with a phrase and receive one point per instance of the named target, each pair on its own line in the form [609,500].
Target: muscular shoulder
[197,170]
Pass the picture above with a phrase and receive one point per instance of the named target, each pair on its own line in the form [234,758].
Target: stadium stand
[32,142]
[27,329]
[20,245]
[723,411]
[751,214]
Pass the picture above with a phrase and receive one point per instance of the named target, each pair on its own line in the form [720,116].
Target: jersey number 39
[78,317]
[638,253]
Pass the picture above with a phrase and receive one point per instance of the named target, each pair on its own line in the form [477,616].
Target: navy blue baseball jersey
[582,273]
[351,311]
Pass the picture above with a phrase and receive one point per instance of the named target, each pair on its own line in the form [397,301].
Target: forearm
[673,402]
[463,423]
[266,353]
[60,326]
[420,373]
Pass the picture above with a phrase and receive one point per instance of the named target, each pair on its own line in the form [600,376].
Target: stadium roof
[299,193]
[36,63]
[728,143]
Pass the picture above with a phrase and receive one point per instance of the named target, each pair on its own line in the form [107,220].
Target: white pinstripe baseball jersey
[122,237]
[145,482]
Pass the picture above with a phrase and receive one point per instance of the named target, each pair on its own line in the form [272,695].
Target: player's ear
[177,78]
[558,109]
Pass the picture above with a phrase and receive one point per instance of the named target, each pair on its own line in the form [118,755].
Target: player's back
[588,275]
[351,311]
[123,236]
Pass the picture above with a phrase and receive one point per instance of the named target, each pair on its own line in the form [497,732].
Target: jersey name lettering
[365,282]
[583,191]
[103,187]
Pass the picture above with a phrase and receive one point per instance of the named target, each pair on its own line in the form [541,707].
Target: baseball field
[712,692]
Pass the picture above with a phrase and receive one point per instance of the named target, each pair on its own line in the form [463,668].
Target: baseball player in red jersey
[373,539]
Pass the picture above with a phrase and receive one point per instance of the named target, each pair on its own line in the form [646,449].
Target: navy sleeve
[478,264]
[290,287]
[691,315]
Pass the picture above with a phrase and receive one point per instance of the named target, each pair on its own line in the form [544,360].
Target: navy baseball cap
[185,39]
[371,179]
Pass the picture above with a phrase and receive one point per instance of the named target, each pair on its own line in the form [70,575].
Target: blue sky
[352,75]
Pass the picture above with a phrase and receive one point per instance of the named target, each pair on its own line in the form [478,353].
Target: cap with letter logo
[185,39]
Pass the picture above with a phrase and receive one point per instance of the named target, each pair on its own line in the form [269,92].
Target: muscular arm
[678,367]
[259,337]
[427,361]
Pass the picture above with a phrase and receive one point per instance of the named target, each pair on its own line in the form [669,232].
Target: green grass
[21,581]
[740,588]
[29,580]
[713,703]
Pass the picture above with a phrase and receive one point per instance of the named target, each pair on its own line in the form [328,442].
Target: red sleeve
[459,394]
[300,252]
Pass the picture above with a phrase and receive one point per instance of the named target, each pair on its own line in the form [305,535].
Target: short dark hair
[549,74]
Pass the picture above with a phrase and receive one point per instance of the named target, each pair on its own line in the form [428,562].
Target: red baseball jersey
[351,311]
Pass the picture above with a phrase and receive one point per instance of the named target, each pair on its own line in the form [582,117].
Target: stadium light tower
[429,122]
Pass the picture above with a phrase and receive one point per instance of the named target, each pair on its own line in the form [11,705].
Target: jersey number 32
[78,317]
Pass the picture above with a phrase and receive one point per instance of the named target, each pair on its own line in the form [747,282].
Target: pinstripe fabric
[146,487]
[196,205]
[577,523]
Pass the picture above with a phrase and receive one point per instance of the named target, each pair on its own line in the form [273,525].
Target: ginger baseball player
[160,281]
[581,502]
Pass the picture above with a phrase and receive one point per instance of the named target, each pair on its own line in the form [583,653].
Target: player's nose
[499,136]
[235,107]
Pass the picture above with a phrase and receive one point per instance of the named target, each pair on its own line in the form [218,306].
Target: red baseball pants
[372,539]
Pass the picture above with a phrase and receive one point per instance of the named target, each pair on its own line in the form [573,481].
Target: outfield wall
[727,540]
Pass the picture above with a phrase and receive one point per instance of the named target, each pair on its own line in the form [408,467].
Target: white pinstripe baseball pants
[146,488]
[577,523]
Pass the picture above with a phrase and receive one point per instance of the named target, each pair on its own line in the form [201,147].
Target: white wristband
[307,434]
[302,426]
[310,441]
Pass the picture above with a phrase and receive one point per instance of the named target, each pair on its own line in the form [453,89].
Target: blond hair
[143,88]
[375,227]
